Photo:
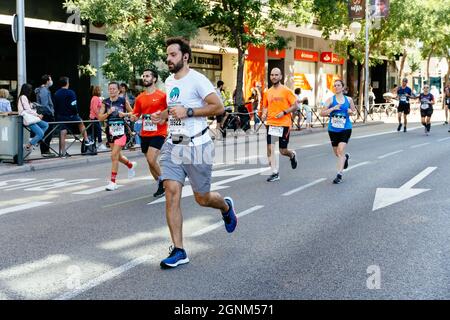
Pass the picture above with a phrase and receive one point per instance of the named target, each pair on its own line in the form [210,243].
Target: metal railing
[55,128]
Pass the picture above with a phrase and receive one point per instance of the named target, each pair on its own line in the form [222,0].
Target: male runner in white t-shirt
[189,150]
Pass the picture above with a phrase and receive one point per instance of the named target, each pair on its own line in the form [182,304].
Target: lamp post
[366,62]
[21,51]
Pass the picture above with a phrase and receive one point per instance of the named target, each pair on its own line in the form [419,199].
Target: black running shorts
[426,112]
[284,140]
[338,137]
[405,108]
[154,142]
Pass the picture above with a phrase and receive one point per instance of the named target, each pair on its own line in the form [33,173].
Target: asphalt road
[299,238]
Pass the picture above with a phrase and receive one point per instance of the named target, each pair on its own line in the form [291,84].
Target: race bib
[148,125]
[403,98]
[117,128]
[176,126]
[338,121]
[424,104]
[447,101]
[276,131]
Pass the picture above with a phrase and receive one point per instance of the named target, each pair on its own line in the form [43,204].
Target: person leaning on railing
[24,106]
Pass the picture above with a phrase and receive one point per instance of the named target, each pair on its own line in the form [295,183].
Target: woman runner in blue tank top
[339,108]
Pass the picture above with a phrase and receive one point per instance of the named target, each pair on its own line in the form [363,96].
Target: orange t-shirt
[145,105]
[276,101]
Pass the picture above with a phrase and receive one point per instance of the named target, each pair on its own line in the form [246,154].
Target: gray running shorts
[195,162]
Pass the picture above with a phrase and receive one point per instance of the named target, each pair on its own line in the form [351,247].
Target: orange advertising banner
[330,81]
[300,81]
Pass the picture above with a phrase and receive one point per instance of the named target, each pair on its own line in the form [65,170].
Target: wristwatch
[190,112]
[284,112]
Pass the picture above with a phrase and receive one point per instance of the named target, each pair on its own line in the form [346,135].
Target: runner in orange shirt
[152,135]
[278,103]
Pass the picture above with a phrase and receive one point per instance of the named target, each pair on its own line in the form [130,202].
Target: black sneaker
[160,192]
[338,179]
[399,127]
[273,177]
[48,155]
[404,129]
[347,156]
[294,160]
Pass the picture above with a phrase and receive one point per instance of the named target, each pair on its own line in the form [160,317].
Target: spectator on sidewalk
[96,104]
[66,109]
[5,105]
[24,106]
[125,93]
[46,108]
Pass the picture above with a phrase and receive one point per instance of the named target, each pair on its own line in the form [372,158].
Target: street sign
[14,28]
[356,9]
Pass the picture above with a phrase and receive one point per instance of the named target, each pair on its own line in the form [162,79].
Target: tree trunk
[361,90]
[428,66]
[447,77]
[402,65]
[238,98]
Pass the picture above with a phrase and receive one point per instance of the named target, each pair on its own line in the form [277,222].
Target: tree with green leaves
[136,30]
[241,23]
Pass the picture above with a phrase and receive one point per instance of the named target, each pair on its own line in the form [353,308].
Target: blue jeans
[137,129]
[38,129]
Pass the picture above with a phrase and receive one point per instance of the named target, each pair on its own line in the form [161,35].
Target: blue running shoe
[176,257]
[230,218]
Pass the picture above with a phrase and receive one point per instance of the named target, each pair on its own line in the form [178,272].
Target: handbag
[29,119]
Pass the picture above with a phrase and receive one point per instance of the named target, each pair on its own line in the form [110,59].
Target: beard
[147,84]
[174,68]
[275,82]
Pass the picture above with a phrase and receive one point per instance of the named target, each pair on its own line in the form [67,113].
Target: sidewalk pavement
[7,168]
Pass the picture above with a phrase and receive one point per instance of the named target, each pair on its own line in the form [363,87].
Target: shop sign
[209,61]
[306,55]
[330,57]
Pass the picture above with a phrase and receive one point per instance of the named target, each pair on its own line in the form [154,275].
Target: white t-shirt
[190,92]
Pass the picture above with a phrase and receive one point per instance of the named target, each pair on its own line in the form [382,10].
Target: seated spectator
[5,105]
[24,106]
[66,109]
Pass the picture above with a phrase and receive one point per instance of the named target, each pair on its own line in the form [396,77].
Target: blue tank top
[403,99]
[339,119]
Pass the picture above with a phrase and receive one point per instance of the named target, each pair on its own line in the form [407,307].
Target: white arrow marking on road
[386,196]
[187,190]
[220,224]
[23,207]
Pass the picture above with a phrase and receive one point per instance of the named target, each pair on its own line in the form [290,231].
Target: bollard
[20,141]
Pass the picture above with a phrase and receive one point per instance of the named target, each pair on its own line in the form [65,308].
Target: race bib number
[116,128]
[276,131]
[176,126]
[338,121]
[148,124]
[424,104]
[403,98]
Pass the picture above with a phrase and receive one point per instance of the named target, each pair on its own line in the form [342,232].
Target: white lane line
[23,207]
[444,139]
[304,187]
[220,224]
[357,165]
[389,154]
[382,133]
[419,145]
[104,278]
[94,190]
